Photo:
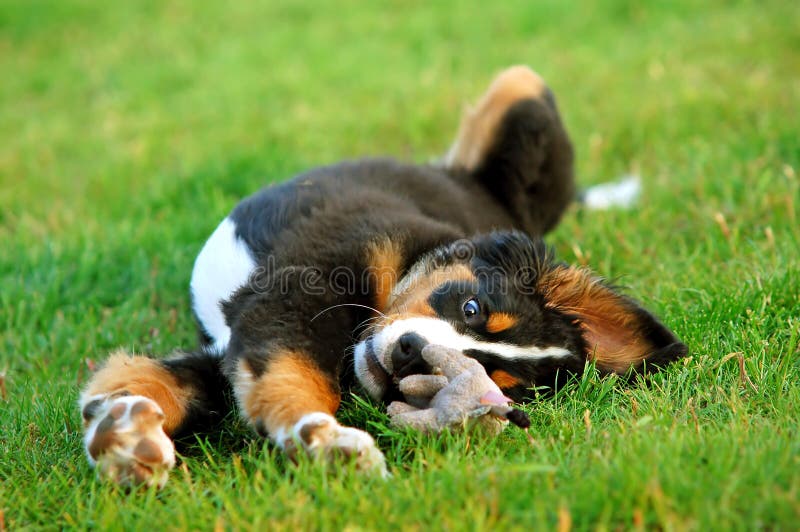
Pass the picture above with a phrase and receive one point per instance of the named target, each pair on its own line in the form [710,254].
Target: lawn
[127,131]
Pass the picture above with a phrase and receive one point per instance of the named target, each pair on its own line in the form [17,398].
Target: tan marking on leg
[384,259]
[291,386]
[479,125]
[504,379]
[499,322]
[293,400]
[139,375]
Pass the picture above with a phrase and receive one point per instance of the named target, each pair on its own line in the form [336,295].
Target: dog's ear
[620,335]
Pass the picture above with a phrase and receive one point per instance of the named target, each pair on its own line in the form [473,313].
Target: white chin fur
[369,381]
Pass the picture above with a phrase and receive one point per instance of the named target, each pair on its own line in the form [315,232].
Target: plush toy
[457,393]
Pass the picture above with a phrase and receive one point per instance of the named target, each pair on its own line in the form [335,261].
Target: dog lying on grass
[346,273]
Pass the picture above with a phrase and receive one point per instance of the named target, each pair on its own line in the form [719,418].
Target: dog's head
[501,299]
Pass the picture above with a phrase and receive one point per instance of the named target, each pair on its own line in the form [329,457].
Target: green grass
[128,131]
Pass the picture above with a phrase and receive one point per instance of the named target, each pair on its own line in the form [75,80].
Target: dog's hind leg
[514,143]
[134,405]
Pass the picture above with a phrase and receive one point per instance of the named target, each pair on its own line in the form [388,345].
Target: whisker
[323,311]
[370,328]
[372,319]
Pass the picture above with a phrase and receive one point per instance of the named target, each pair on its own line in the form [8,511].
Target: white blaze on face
[223,266]
[439,332]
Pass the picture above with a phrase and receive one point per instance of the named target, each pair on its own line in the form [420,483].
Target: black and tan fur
[419,241]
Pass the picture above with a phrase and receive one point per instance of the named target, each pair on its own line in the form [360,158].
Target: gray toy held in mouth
[458,393]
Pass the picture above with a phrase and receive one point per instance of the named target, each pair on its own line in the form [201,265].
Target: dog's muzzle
[376,369]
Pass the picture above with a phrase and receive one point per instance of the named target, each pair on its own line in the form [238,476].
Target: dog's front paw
[126,442]
[320,435]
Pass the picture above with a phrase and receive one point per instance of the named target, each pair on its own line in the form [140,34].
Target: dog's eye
[472,309]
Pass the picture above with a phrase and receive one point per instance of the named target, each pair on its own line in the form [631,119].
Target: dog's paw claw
[126,442]
[322,436]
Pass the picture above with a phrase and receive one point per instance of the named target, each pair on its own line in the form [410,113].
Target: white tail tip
[621,194]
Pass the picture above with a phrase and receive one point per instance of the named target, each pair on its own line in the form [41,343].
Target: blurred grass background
[127,131]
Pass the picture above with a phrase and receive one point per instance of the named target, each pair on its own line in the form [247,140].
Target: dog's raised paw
[323,437]
[126,442]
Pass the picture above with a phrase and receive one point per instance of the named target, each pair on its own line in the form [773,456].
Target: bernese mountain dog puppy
[343,274]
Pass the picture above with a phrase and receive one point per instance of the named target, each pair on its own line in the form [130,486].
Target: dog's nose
[407,355]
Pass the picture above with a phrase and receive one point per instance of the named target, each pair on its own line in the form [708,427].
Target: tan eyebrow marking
[504,379]
[414,298]
[500,321]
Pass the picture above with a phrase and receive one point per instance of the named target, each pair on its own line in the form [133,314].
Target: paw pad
[126,441]
[320,435]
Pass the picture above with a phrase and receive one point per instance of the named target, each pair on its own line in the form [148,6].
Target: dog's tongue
[494,398]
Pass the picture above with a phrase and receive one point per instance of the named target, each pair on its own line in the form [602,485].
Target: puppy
[345,273]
